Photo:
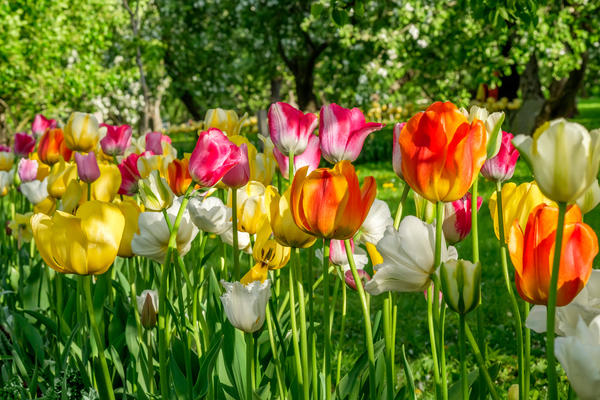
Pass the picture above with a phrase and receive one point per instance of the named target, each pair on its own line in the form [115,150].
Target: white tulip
[408,258]
[147,305]
[493,124]
[377,221]
[585,306]
[579,354]
[564,158]
[210,214]
[245,305]
[153,239]
[243,239]
[35,191]
[590,199]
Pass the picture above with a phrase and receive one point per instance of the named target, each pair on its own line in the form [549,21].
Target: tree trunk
[304,80]
[525,120]
[190,103]
[563,93]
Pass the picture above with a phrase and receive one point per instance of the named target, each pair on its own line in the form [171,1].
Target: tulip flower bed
[236,272]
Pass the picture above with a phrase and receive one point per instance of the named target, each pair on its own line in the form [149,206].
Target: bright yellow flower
[251,210]
[21,228]
[84,243]
[131,211]
[225,120]
[267,253]
[517,203]
[82,132]
[282,222]
[61,174]
[105,188]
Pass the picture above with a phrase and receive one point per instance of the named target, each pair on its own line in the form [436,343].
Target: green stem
[184,332]
[527,355]
[291,167]
[280,384]
[296,342]
[481,363]
[432,339]
[234,227]
[87,279]
[311,331]
[475,245]
[89,191]
[551,310]
[150,362]
[303,334]
[400,209]
[511,294]
[326,334]
[441,362]
[341,342]
[366,317]
[249,365]
[463,362]
[387,330]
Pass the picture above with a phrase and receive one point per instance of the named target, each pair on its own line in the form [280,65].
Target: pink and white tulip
[501,167]
[117,139]
[24,144]
[41,124]
[338,255]
[396,156]
[87,167]
[311,157]
[213,156]
[27,170]
[457,218]
[130,175]
[239,175]
[342,132]
[290,128]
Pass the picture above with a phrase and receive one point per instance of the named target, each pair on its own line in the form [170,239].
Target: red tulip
[239,175]
[52,146]
[117,139]
[213,156]
[24,144]
[129,175]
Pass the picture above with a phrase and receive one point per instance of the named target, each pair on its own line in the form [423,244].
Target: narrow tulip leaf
[357,376]
[408,376]
[131,335]
[208,360]
[179,380]
[454,392]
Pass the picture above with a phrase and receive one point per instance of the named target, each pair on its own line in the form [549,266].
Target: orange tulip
[329,202]
[441,152]
[532,254]
[178,175]
[52,146]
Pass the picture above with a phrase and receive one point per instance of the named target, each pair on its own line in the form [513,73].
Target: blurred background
[160,64]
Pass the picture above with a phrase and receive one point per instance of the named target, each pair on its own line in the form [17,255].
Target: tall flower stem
[551,310]
[439,221]
[302,312]
[326,331]
[462,351]
[481,363]
[280,384]
[106,381]
[249,365]
[527,353]
[293,321]
[475,245]
[432,339]
[234,226]
[387,330]
[511,294]
[400,209]
[149,362]
[311,332]
[366,317]
[341,342]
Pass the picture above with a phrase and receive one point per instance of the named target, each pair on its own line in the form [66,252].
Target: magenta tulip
[154,141]
[87,167]
[290,128]
[362,274]
[239,175]
[213,156]
[24,144]
[457,218]
[342,132]
[27,170]
[501,167]
[117,139]
[41,124]
[396,155]
[130,175]
[311,157]
[4,149]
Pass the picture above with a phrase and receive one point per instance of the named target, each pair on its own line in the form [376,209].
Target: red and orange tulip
[442,152]
[52,145]
[178,175]
[532,253]
[329,202]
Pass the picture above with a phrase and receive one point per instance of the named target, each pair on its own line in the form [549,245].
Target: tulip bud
[245,305]
[457,218]
[27,170]
[87,167]
[147,305]
[513,392]
[155,193]
[501,167]
[82,132]
[362,274]
[461,284]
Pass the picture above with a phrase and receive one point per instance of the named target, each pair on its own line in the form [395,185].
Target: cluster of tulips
[98,195]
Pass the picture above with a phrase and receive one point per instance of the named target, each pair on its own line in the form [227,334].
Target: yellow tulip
[131,211]
[225,120]
[282,223]
[82,132]
[267,253]
[517,203]
[251,210]
[148,163]
[105,188]
[21,228]
[46,206]
[61,174]
[84,243]
[7,159]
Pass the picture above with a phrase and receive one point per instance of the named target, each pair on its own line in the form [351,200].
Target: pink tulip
[239,175]
[396,156]
[290,128]
[343,132]
[337,252]
[117,139]
[27,170]
[87,167]
[154,141]
[41,124]
[311,157]
[457,218]
[129,175]
[24,144]
[213,156]
[4,149]
[362,274]
[501,167]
